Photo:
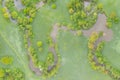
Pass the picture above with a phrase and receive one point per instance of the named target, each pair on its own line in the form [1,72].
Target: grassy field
[73,49]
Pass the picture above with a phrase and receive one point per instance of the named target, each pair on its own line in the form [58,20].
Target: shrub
[2,74]
[39,43]
[100,6]
[54,6]
[6,15]
[14,15]
[83,18]
[7,60]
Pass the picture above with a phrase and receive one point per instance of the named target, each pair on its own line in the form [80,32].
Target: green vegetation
[24,19]
[2,74]
[49,1]
[97,60]
[6,60]
[14,15]
[8,74]
[6,14]
[112,18]
[53,6]
[84,17]
[39,44]
[31,41]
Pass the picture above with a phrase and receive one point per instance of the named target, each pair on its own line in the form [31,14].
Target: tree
[30,20]
[2,73]
[113,15]
[95,14]
[54,6]
[32,12]
[71,11]
[6,15]
[26,10]
[7,60]
[88,8]
[14,15]
[109,24]
[78,5]
[50,58]
[32,15]
[25,21]
[39,43]
[4,10]
[49,1]
[19,20]
[79,33]
[29,27]
[100,6]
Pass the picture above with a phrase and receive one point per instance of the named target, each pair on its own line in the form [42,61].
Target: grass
[73,49]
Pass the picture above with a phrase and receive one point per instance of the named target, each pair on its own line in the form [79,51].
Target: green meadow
[73,49]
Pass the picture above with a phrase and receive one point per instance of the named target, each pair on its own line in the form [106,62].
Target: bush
[14,15]
[79,33]
[83,18]
[2,74]
[7,60]
[39,43]
[54,6]
[98,61]
[100,6]
[109,24]
[6,15]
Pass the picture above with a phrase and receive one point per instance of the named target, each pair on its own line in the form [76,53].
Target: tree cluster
[98,61]
[11,74]
[83,17]
[7,60]
[6,13]
[112,18]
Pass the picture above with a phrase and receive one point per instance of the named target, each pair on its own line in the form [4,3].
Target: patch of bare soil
[100,26]
[54,33]
[40,4]
[52,48]
[86,3]
[18,4]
